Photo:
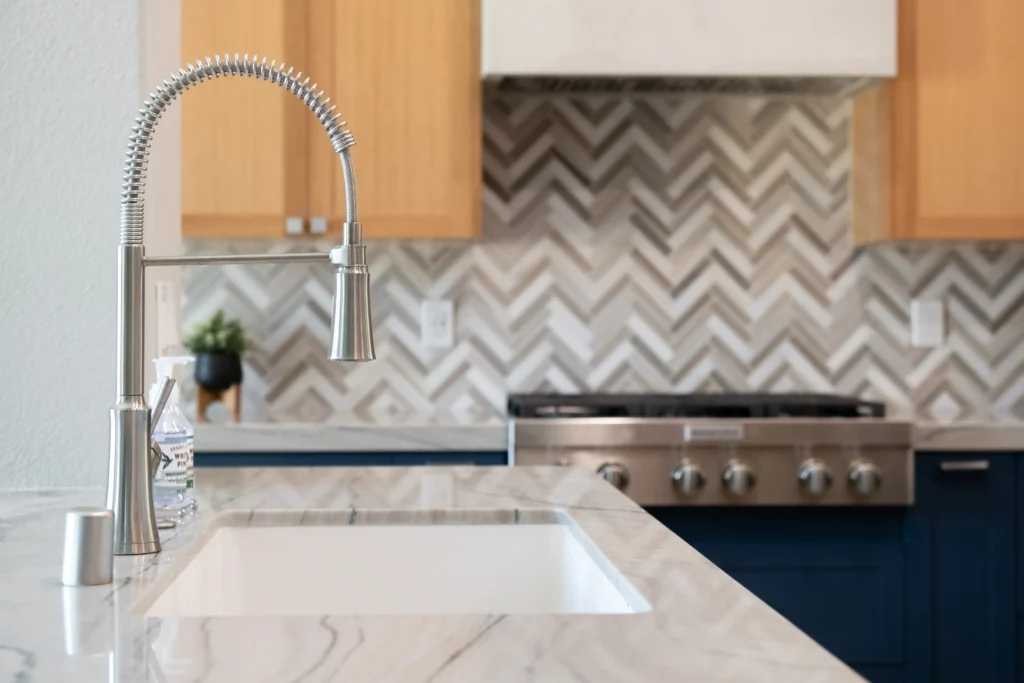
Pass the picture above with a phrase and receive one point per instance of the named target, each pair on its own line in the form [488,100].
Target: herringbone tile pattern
[665,245]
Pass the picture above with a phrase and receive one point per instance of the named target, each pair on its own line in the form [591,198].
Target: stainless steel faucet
[130,477]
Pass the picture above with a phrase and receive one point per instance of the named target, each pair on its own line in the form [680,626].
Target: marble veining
[702,624]
[969,436]
[408,433]
[449,432]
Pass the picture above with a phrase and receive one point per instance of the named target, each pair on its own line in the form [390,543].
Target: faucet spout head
[351,330]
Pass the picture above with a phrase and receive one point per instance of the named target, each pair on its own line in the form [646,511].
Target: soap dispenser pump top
[174,476]
[165,368]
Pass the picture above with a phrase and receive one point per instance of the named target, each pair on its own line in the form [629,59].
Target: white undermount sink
[546,568]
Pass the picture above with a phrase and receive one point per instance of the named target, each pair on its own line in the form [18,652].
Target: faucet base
[138,548]
[130,479]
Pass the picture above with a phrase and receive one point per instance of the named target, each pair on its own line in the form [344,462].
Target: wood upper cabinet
[244,160]
[406,76]
[403,73]
[939,152]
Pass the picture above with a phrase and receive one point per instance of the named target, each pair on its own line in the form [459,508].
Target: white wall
[161,47]
[69,87]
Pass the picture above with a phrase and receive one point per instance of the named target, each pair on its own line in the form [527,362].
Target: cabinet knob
[615,474]
[738,478]
[688,478]
[294,225]
[864,478]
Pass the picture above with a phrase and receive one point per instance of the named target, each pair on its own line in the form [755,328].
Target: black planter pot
[218,371]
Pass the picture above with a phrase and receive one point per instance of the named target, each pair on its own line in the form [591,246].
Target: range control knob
[615,474]
[738,478]
[864,478]
[688,478]
[814,478]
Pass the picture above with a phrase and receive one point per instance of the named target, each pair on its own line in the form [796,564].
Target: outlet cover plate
[927,323]
[437,323]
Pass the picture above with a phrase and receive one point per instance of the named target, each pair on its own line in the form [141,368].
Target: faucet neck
[130,480]
[134,180]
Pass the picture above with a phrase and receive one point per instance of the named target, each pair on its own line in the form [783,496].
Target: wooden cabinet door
[405,74]
[961,602]
[244,161]
[939,153]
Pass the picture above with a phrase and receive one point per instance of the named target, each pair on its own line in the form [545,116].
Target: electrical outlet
[927,323]
[437,324]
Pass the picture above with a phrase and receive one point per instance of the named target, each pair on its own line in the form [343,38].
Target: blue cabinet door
[962,605]
[1020,649]
[1020,548]
[836,573]
[454,458]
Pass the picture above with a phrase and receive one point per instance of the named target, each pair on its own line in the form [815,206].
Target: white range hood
[742,46]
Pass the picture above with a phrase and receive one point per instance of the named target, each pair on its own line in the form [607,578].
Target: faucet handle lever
[161,402]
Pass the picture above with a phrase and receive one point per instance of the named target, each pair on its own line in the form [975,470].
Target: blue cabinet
[836,573]
[340,459]
[962,569]
[933,593]
[1019,461]
[453,458]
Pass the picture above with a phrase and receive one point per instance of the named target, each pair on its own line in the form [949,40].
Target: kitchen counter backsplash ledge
[450,432]
[417,433]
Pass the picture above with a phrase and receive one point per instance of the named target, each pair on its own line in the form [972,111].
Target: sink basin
[337,569]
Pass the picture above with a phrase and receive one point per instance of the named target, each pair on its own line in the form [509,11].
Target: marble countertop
[449,432]
[982,435]
[702,625]
[411,433]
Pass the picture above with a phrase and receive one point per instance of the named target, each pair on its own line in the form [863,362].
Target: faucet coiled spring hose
[134,182]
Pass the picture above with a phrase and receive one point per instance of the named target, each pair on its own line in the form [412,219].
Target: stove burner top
[691,405]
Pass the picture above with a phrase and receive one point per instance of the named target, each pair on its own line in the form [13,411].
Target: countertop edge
[969,436]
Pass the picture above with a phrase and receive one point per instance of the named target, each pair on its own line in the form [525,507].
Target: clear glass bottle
[174,482]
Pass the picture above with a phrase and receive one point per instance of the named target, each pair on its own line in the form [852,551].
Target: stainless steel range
[722,449]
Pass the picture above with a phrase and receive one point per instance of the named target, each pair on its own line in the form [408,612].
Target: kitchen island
[700,625]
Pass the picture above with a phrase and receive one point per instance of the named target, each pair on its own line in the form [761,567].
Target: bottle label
[175,459]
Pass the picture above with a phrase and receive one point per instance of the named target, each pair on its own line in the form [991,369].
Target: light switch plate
[927,323]
[437,324]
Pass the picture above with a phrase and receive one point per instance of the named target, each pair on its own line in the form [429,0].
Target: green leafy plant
[218,335]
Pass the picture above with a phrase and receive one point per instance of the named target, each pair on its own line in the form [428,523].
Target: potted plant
[218,345]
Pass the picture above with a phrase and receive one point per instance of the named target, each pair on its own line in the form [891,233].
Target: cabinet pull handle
[965,466]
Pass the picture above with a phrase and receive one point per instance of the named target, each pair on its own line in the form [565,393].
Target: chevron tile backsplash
[658,245]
